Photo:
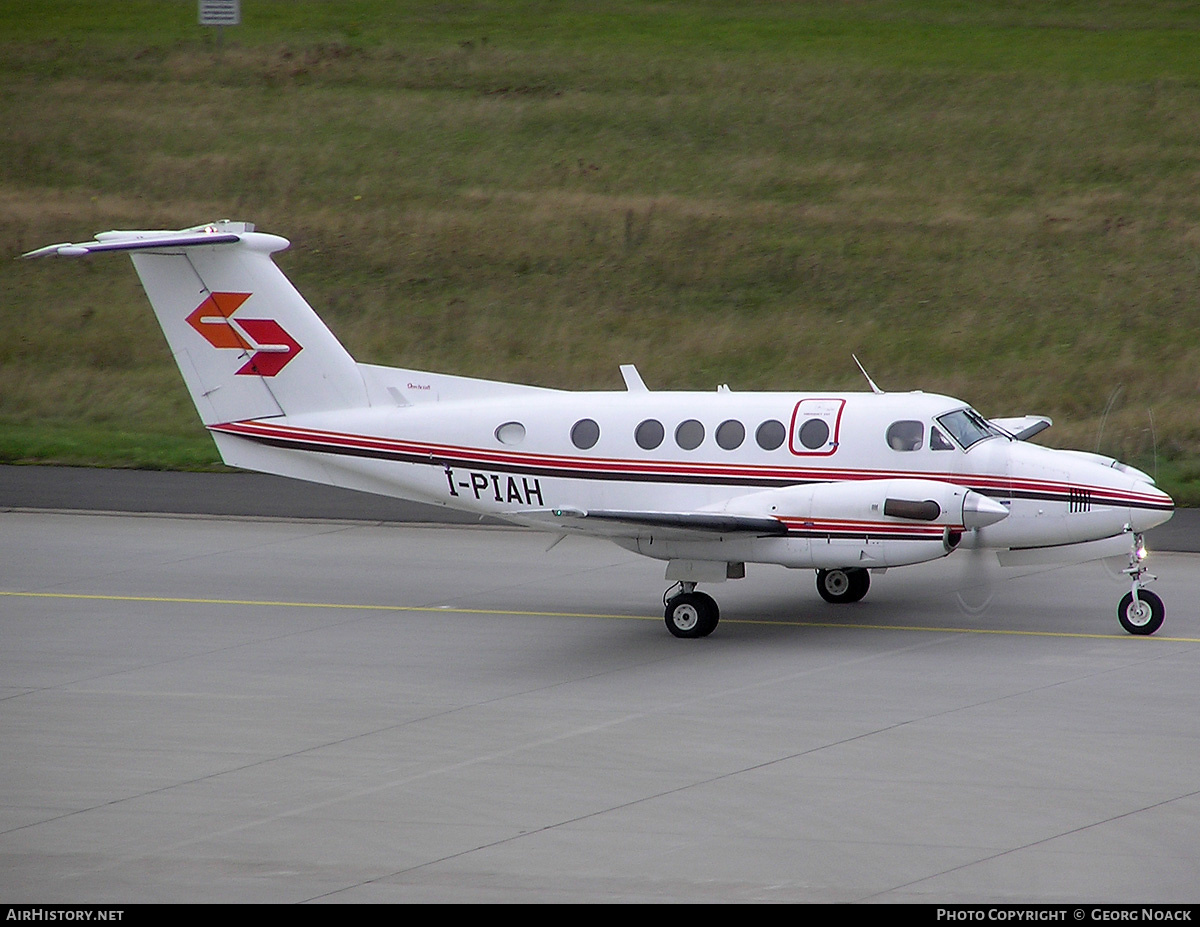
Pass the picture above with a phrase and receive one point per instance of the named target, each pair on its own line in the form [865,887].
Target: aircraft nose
[1151,507]
[980,511]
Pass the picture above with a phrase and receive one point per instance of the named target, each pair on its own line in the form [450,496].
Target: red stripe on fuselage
[568,467]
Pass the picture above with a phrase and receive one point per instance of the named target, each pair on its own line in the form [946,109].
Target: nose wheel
[1140,611]
[690,613]
[1143,615]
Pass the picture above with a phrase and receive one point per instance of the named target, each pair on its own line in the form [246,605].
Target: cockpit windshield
[968,427]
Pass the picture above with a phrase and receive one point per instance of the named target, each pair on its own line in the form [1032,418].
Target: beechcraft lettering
[496,486]
[849,485]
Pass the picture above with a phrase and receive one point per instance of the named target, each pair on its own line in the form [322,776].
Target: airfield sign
[220,12]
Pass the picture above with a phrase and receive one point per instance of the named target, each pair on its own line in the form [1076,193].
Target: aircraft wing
[620,523]
[1024,427]
[890,507]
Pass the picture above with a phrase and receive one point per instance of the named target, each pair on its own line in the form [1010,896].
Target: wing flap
[621,523]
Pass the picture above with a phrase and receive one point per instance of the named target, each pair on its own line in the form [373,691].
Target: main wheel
[1142,617]
[841,586]
[692,614]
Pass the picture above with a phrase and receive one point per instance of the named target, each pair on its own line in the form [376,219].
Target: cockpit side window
[938,441]
[967,426]
[906,436]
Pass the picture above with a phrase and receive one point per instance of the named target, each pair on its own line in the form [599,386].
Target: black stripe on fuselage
[450,460]
[581,473]
[1065,496]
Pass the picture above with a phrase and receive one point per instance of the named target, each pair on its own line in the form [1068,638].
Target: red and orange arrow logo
[270,347]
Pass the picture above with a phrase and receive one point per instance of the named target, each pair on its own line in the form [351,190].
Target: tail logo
[269,346]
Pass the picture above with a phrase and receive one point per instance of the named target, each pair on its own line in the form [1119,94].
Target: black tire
[1145,617]
[861,583]
[692,614]
[841,586]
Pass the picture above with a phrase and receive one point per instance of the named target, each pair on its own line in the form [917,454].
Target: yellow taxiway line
[266,603]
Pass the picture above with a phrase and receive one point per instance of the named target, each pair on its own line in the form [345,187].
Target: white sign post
[220,13]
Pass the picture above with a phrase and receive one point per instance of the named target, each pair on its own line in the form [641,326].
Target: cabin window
[510,433]
[770,435]
[649,434]
[585,433]
[731,434]
[689,434]
[938,441]
[906,436]
[814,433]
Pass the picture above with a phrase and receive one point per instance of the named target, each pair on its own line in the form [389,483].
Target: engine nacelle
[879,503]
[865,523]
[870,523]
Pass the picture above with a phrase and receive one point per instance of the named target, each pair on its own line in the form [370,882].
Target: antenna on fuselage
[633,379]
[874,389]
[1154,438]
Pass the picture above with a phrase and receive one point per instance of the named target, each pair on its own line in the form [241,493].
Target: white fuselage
[529,453]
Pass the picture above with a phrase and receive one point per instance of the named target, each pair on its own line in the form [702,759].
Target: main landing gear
[694,614]
[843,585]
[1140,611]
[690,613]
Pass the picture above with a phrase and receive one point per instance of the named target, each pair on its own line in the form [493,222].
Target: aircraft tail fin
[245,340]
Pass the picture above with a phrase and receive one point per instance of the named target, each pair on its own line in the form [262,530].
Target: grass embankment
[997,203]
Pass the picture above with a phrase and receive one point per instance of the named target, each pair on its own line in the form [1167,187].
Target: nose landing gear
[1140,611]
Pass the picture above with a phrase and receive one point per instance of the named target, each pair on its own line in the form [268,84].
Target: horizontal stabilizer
[151,240]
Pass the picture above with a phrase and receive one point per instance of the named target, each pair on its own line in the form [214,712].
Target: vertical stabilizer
[247,343]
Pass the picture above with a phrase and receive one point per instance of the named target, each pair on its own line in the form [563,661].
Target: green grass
[92,446]
[998,201]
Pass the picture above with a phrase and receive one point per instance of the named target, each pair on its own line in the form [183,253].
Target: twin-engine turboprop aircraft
[843,483]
